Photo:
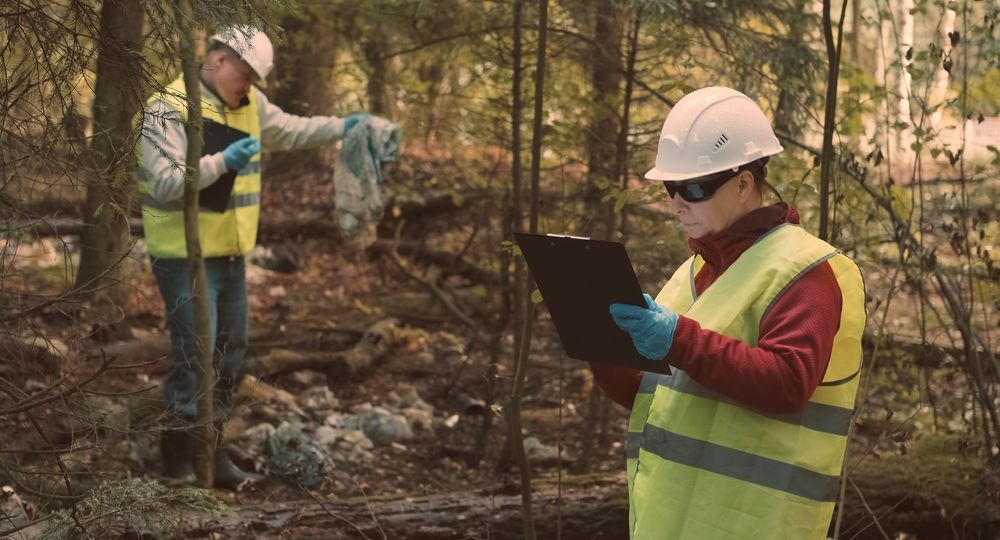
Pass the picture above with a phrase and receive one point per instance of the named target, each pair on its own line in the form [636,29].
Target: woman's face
[731,202]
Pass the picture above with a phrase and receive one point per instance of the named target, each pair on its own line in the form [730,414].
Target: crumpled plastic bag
[357,177]
[294,456]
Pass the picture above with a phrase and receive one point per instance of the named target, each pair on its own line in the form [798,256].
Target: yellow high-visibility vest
[702,466]
[233,232]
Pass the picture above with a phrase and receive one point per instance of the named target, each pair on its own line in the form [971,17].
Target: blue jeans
[229,319]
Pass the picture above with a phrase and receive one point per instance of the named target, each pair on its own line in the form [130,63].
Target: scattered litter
[541,454]
[295,456]
[319,401]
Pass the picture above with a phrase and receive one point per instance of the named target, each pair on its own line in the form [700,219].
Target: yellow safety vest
[233,232]
[704,467]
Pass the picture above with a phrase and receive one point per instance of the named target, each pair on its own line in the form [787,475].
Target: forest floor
[439,477]
[321,300]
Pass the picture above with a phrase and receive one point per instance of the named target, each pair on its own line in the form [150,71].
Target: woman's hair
[758,168]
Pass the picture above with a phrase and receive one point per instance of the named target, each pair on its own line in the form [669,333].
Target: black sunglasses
[700,189]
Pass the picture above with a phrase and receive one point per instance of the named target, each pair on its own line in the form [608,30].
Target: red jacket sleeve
[781,373]
[619,383]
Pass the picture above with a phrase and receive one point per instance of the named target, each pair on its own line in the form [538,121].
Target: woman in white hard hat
[238,121]
[762,327]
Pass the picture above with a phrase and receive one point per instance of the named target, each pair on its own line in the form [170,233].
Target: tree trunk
[856,30]
[939,83]
[379,102]
[515,440]
[789,111]
[205,444]
[434,72]
[117,97]
[304,87]
[880,129]
[304,76]
[621,150]
[597,402]
[519,296]
[601,139]
[904,136]
[830,118]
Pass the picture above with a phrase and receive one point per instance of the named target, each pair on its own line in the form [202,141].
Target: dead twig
[429,285]
[336,516]
[119,394]
[9,532]
[50,451]
[35,400]
[871,512]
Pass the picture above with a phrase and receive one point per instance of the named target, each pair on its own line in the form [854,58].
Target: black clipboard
[579,278]
[215,198]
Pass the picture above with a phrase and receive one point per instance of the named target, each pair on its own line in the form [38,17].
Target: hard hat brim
[658,175]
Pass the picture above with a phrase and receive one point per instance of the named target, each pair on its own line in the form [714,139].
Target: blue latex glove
[651,328]
[237,155]
[353,119]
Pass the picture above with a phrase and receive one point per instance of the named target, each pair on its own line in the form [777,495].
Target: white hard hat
[253,46]
[711,130]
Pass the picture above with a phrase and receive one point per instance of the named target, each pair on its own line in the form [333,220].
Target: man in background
[239,121]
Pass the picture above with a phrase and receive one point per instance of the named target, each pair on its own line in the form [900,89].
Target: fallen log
[435,203]
[887,498]
[151,347]
[282,229]
[448,262]
[317,224]
[375,343]
[258,391]
[157,346]
[895,349]
[586,508]
[424,305]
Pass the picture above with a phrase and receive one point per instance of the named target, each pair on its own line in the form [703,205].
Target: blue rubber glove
[237,155]
[651,328]
[353,119]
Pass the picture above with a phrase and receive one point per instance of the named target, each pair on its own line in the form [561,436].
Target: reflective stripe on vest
[233,232]
[235,201]
[704,466]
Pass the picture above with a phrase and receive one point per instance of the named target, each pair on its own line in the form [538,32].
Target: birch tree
[904,43]
[945,39]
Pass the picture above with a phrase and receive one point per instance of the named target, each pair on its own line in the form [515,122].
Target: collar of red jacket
[722,248]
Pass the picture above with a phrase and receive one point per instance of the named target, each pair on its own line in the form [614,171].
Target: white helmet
[252,45]
[711,130]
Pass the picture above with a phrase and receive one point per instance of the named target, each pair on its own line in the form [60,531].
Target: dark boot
[177,449]
[227,474]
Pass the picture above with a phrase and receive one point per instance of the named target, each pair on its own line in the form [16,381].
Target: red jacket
[796,336]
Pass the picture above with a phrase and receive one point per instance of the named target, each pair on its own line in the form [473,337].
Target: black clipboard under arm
[215,198]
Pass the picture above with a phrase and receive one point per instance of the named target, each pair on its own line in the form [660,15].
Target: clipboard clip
[568,236]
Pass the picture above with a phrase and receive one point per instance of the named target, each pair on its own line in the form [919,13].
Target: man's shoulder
[162,109]
[259,98]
